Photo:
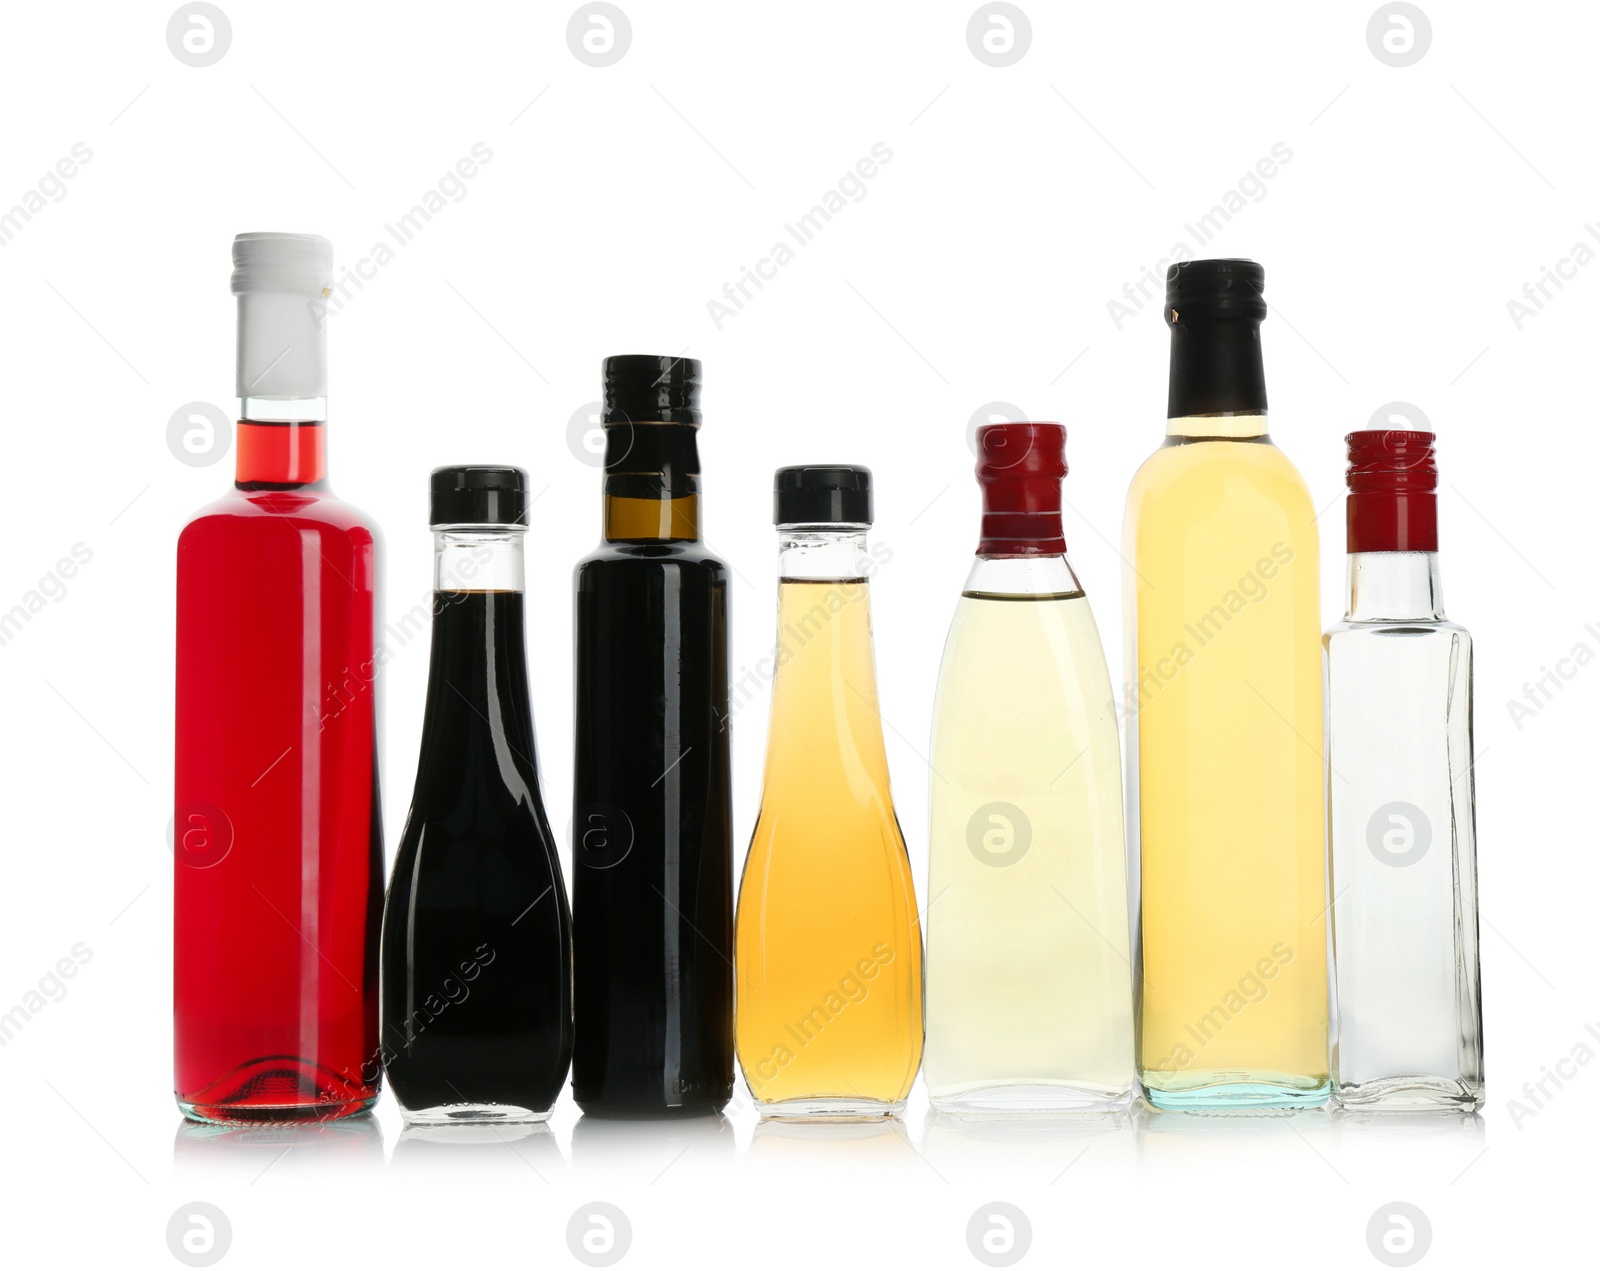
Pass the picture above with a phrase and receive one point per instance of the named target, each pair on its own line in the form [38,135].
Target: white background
[977,268]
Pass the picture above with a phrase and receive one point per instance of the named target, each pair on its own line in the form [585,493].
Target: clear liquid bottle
[477,936]
[1224,727]
[828,945]
[1400,798]
[1029,989]
[278,843]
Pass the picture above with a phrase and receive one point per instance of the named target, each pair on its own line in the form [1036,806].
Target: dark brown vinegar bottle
[476,960]
[652,818]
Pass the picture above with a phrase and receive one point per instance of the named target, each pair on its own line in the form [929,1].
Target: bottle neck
[634,518]
[1216,428]
[825,695]
[279,454]
[1216,370]
[1394,587]
[652,484]
[835,553]
[478,723]
[470,558]
[280,443]
[1022,577]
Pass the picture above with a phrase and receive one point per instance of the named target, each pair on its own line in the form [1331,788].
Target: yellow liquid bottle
[1224,727]
[828,949]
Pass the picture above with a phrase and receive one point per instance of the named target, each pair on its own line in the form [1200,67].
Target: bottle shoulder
[1008,615]
[1365,648]
[303,508]
[509,855]
[652,558]
[1027,654]
[1404,629]
[1242,466]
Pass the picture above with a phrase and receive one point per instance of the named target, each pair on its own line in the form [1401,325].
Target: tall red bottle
[277,836]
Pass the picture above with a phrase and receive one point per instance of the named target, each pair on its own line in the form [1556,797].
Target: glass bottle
[1224,727]
[652,816]
[1030,995]
[1400,799]
[829,950]
[277,837]
[477,936]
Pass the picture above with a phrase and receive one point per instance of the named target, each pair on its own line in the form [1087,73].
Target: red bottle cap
[1392,506]
[1020,467]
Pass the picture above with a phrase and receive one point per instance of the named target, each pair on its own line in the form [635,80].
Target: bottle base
[1412,1094]
[474,1114]
[1045,1098]
[277,1090]
[612,1111]
[830,1109]
[1240,1092]
[274,1114]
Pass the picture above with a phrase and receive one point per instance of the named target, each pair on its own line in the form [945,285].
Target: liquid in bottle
[829,948]
[278,880]
[1030,995]
[477,935]
[652,810]
[1401,799]
[1223,713]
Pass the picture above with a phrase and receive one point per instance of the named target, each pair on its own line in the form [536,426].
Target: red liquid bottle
[277,836]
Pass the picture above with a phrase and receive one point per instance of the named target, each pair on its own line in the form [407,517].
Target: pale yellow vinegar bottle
[1224,727]
[1030,1003]
[828,949]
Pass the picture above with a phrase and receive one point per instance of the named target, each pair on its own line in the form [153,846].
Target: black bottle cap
[478,494]
[641,388]
[1215,289]
[1215,309]
[822,494]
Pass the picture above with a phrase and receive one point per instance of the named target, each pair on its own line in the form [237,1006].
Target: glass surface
[1404,855]
[1029,992]
[652,821]
[1224,717]
[828,947]
[477,957]
[277,841]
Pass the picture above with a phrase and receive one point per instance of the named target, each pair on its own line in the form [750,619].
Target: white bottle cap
[282,281]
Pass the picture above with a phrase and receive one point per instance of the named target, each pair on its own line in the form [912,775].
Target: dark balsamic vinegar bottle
[477,960]
[652,818]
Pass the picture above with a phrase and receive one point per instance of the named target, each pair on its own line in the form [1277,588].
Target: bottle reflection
[1446,1125]
[1265,1138]
[1044,1145]
[1439,1145]
[606,1146]
[868,1148]
[480,1148]
[246,1153]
